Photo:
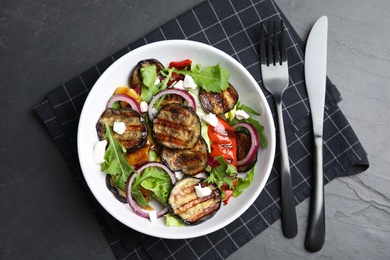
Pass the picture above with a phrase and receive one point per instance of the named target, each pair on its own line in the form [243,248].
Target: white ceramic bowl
[117,75]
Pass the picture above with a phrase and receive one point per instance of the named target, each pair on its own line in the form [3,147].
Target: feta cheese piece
[153,216]
[157,81]
[179,175]
[144,106]
[201,192]
[210,119]
[189,82]
[201,175]
[241,114]
[179,85]
[98,151]
[119,127]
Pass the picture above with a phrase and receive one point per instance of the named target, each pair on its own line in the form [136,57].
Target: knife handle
[289,215]
[315,234]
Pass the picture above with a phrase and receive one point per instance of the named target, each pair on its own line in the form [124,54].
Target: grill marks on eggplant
[188,206]
[177,131]
[219,103]
[136,132]
[190,161]
[176,126]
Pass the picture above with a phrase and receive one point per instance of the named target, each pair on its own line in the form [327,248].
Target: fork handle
[289,216]
[315,234]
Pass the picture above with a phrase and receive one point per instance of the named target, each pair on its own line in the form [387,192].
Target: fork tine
[283,40]
[269,47]
[263,58]
[276,45]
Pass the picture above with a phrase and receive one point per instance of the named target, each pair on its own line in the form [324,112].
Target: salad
[179,136]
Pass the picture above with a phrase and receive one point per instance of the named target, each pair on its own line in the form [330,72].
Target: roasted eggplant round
[118,192]
[135,76]
[243,143]
[176,127]
[190,161]
[219,103]
[185,204]
[136,132]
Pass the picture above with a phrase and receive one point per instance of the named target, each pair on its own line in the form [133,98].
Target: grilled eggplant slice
[190,161]
[135,76]
[118,192]
[136,132]
[172,98]
[176,127]
[192,209]
[243,142]
[219,103]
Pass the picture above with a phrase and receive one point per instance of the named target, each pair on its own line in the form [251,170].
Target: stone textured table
[45,43]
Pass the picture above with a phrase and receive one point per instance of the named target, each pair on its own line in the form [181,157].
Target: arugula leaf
[211,78]
[247,109]
[167,77]
[222,174]
[114,161]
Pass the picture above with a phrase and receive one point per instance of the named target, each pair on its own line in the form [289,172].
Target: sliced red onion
[133,204]
[184,94]
[126,98]
[254,143]
[138,89]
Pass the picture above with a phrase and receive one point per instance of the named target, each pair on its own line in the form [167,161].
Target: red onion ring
[123,97]
[254,144]
[184,94]
[133,204]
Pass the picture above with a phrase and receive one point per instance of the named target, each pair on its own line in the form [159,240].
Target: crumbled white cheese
[189,82]
[98,152]
[157,81]
[179,175]
[210,119]
[201,192]
[179,85]
[153,216]
[241,114]
[144,106]
[119,127]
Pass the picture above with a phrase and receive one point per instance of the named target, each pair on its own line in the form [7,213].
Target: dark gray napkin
[233,27]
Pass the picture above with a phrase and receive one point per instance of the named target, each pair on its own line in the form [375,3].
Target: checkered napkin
[234,27]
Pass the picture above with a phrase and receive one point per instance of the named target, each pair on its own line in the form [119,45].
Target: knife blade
[315,77]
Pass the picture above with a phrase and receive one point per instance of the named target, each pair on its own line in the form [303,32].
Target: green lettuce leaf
[149,76]
[155,180]
[243,183]
[172,221]
[211,78]
[222,174]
